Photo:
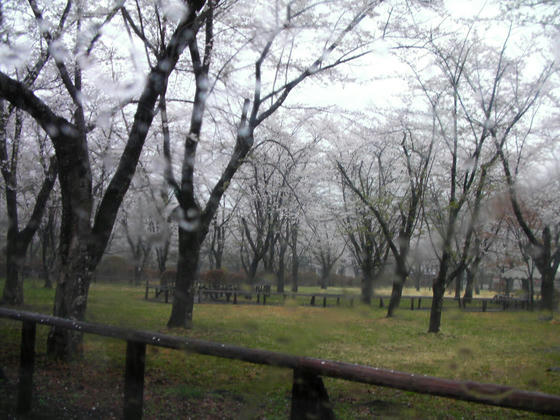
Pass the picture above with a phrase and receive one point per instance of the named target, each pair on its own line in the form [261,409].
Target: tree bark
[18,241]
[187,272]
[295,273]
[293,242]
[547,289]
[15,257]
[280,274]
[458,285]
[367,282]
[467,297]
[281,268]
[401,272]
[438,289]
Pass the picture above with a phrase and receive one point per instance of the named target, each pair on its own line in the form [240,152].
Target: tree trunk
[458,285]
[467,297]
[137,273]
[70,302]
[252,273]
[396,293]
[281,275]
[367,283]
[324,280]
[45,257]
[438,289]
[79,254]
[531,296]
[218,260]
[13,288]
[187,272]
[295,271]
[268,259]
[281,270]
[547,289]
[161,256]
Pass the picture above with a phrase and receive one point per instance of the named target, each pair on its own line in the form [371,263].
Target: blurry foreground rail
[309,396]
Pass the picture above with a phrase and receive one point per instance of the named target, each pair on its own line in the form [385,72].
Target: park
[517,348]
[279,209]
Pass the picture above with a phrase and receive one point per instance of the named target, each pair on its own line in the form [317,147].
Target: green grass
[510,348]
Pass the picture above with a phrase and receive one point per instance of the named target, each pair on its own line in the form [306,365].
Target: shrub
[218,278]
[114,268]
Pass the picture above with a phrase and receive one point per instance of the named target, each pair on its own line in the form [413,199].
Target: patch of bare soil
[80,390]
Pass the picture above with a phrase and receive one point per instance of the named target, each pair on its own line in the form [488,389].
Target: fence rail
[233,295]
[309,396]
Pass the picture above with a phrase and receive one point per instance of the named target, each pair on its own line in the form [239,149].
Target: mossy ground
[511,348]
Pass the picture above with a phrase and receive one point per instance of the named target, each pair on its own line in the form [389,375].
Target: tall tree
[470,111]
[82,243]
[407,204]
[269,92]
[544,249]
[365,235]
[12,129]
[18,240]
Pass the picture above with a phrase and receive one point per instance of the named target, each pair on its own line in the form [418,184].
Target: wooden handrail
[491,394]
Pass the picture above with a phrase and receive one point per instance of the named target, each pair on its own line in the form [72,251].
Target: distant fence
[231,295]
[309,396]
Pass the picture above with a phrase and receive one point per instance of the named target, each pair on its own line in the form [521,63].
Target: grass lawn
[510,348]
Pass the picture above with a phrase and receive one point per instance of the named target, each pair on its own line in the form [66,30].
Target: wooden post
[134,379]
[147,289]
[309,398]
[411,303]
[264,299]
[419,303]
[228,296]
[338,301]
[312,300]
[381,305]
[27,363]
[484,305]
[166,295]
[235,298]
[258,298]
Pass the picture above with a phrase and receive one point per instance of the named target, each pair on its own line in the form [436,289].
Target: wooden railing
[309,396]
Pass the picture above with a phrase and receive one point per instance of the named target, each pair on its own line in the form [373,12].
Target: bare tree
[82,243]
[477,112]
[544,250]
[197,218]
[418,160]
[18,240]
[369,246]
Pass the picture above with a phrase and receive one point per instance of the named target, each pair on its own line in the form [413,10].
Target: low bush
[114,268]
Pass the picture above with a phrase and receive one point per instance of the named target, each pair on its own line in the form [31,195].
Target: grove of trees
[394,140]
